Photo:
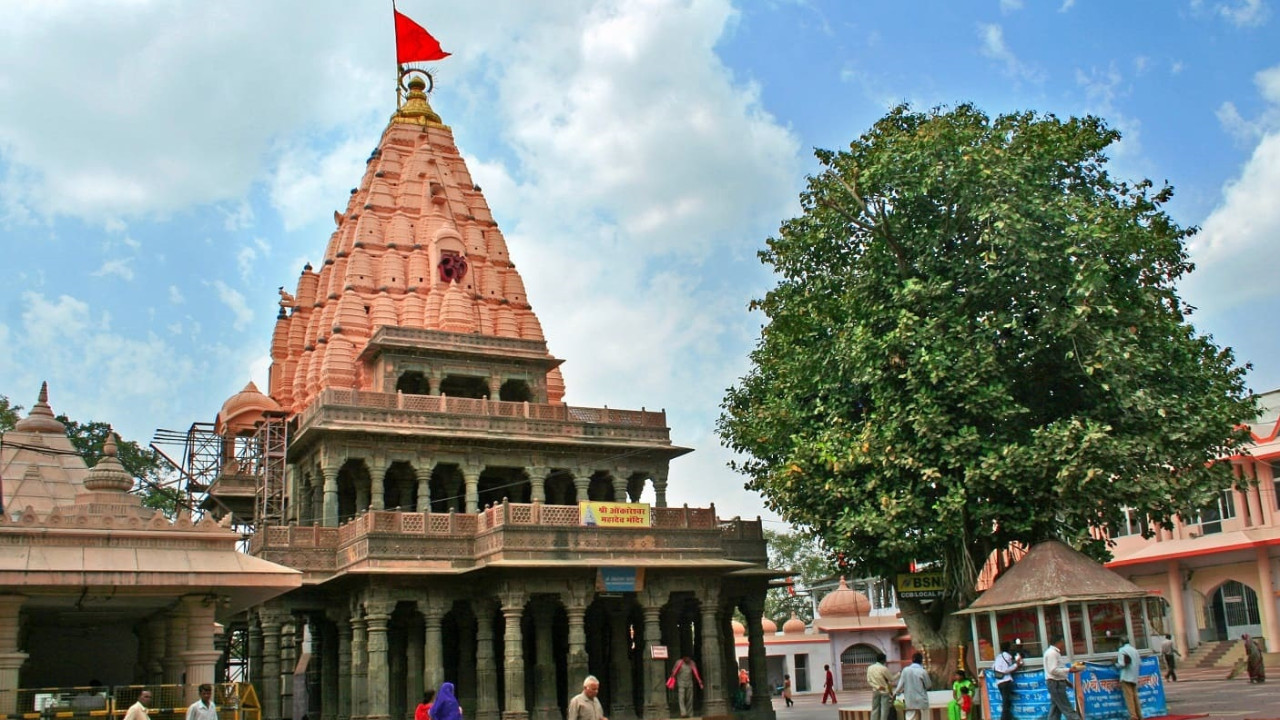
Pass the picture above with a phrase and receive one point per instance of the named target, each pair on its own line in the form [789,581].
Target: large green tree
[976,340]
[799,553]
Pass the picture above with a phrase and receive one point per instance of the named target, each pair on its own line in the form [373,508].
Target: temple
[453,519]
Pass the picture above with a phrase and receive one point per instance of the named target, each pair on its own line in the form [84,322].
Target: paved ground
[1198,692]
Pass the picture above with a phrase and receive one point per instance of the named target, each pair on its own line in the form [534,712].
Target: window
[1275,481]
[413,382]
[465,386]
[1133,523]
[1210,519]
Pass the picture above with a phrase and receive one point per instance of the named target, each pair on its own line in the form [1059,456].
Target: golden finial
[416,109]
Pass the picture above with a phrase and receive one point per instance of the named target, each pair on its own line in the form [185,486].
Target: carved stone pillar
[159,627]
[467,662]
[288,661]
[330,677]
[761,695]
[344,627]
[377,615]
[582,483]
[513,661]
[577,666]
[422,471]
[413,673]
[433,384]
[359,665]
[199,655]
[622,702]
[330,495]
[317,497]
[10,658]
[713,693]
[377,487]
[495,388]
[175,643]
[471,487]
[538,484]
[271,622]
[660,488]
[545,704]
[655,697]
[620,486]
[432,610]
[486,664]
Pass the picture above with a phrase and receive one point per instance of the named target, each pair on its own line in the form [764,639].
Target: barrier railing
[235,701]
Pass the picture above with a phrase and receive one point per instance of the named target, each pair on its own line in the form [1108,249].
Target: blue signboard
[1100,684]
[619,579]
[1103,699]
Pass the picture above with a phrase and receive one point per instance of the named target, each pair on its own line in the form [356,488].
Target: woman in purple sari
[446,706]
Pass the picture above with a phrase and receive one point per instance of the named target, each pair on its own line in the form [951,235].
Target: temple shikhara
[424,504]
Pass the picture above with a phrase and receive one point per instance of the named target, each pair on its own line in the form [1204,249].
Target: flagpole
[399,67]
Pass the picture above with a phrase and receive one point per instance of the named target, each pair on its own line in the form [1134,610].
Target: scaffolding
[226,474]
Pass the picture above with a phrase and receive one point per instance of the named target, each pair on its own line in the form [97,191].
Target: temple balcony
[359,410]
[509,535]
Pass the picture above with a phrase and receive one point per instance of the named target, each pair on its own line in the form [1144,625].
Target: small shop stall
[1057,589]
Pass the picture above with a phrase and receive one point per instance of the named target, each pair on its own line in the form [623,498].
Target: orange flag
[414,43]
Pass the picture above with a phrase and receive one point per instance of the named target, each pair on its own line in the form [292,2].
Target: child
[786,689]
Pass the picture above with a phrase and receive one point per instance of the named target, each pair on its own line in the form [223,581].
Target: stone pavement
[1215,698]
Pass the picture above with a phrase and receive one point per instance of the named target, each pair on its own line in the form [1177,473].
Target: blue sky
[165,166]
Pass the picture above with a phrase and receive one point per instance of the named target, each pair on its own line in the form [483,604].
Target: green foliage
[144,464]
[798,553]
[9,414]
[975,340]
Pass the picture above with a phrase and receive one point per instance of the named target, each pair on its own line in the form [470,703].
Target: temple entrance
[1233,608]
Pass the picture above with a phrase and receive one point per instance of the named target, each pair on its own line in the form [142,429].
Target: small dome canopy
[109,475]
[793,626]
[738,628]
[244,409]
[844,602]
[41,419]
[770,627]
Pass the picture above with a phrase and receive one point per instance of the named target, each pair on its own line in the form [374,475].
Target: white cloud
[1236,250]
[93,372]
[994,47]
[235,302]
[1103,89]
[1175,68]
[238,218]
[245,259]
[118,267]
[1008,6]
[1245,13]
[1067,5]
[175,296]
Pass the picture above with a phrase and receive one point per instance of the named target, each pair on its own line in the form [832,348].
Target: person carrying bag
[683,675]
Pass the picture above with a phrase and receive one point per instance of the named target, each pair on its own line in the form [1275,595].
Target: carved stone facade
[433,480]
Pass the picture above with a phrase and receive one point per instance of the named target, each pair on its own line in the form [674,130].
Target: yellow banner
[611,514]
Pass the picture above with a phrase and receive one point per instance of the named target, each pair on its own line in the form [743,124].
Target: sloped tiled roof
[1053,572]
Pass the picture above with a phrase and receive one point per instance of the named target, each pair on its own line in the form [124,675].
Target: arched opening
[1233,609]
[853,666]
[601,488]
[400,488]
[515,391]
[353,489]
[446,489]
[413,382]
[465,386]
[559,488]
[499,483]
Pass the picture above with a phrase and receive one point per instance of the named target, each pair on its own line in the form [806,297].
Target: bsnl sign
[920,586]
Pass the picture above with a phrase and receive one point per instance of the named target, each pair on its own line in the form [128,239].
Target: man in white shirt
[1004,668]
[1055,676]
[203,709]
[913,683]
[1130,664]
[138,711]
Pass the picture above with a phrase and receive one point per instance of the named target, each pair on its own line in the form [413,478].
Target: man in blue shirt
[1130,664]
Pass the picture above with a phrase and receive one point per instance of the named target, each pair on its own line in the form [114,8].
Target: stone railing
[505,531]
[336,406]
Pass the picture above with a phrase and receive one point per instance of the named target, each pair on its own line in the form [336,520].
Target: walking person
[586,705]
[1005,666]
[423,711]
[786,689]
[685,674]
[914,685]
[1130,664]
[1055,675]
[1170,653]
[880,680]
[138,710]
[829,686]
[203,709]
[445,706]
[1253,653]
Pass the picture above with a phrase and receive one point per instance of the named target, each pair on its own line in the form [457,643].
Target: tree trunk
[938,633]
